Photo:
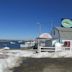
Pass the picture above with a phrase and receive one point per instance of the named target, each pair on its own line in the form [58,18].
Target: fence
[53,49]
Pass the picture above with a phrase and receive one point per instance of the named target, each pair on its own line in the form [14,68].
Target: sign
[67,23]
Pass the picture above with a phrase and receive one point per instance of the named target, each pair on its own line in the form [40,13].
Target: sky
[22,19]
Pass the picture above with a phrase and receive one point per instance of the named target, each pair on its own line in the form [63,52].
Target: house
[63,35]
[44,40]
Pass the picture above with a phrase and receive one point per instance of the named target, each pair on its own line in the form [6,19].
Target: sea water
[14,45]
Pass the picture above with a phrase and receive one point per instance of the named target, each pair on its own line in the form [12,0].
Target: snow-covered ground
[66,54]
[14,57]
[33,54]
[9,60]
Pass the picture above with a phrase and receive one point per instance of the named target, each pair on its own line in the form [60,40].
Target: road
[45,65]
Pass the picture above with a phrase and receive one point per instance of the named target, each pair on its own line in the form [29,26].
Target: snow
[8,63]
[14,58]
[13,61]
[3,65]
[26,53]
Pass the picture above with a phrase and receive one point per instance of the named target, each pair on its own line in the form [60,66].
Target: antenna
[52,25]
[40,28]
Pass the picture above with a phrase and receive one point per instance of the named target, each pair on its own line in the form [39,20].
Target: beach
[45,65]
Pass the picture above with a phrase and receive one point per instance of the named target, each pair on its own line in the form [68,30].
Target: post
[39,48]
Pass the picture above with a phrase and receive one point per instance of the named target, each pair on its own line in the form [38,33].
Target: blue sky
[20,19]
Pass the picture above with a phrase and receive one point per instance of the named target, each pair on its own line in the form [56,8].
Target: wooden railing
[52,49]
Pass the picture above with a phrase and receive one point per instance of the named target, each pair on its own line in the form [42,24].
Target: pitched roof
[65,33]
[64,29]
[45,35]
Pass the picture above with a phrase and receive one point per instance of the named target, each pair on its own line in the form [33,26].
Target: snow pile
[52,55]
[68,54]
[29,53]
[13,61]
[58,46]
[9,60]
[26,53]
[3,65]
[41,55]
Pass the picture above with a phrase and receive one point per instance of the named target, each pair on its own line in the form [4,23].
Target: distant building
[27,44]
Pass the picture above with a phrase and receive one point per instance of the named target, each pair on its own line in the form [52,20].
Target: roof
[45,35]
[64,33]
[64,29]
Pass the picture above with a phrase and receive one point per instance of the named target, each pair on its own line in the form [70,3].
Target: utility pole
[38,46]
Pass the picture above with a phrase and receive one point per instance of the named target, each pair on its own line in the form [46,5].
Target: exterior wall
[45,42]
[70,43]
[55,34]
[61,34]
[65,35]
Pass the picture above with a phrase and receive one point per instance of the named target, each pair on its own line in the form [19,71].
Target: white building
[63,35]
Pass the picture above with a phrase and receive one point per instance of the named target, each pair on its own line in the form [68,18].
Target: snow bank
[14,57]
[3,66]
[13,61]
[30,53]
[66,54]
[26,53]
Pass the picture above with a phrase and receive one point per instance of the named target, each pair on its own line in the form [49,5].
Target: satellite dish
[67,23]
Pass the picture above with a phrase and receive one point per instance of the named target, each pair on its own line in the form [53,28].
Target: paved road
[45,65]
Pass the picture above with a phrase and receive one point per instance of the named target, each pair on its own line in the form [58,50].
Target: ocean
[10,44]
